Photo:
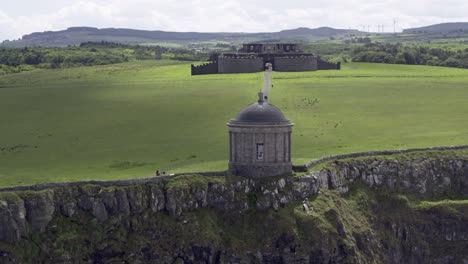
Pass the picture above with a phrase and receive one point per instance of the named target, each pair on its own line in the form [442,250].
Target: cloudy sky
[19,17]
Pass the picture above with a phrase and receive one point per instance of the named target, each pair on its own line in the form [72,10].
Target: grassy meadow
[128,120]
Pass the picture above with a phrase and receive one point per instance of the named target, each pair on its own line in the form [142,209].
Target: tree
[410,57]
[213,56]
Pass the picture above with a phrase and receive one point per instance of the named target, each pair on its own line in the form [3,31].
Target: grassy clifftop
[128,120]
[407,208]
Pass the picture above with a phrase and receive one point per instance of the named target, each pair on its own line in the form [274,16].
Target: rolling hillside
[440,28]
[77,35]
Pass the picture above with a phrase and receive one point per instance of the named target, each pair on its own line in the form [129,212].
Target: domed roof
[260,112]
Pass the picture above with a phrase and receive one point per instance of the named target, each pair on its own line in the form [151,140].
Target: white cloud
[27,16]
[11,26]
[5,25]
[80,13]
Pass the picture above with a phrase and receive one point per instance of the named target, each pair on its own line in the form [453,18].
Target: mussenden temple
[255,57]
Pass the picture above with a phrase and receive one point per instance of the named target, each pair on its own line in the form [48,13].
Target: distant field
[128,120]
[163,44]
[450,39]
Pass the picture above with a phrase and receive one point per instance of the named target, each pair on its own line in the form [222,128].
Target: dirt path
[266,84]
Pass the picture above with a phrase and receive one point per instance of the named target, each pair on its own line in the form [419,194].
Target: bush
[5,69]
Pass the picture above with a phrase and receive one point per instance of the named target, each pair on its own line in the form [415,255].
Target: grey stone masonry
[296,63]
[240,65]
[246,159]
[260,141]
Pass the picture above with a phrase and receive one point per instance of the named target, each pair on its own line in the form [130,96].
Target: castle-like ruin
[254,57]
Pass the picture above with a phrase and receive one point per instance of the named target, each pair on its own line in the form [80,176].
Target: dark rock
[12,220]
[40,208]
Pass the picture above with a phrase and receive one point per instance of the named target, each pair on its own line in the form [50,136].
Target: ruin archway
[271,60]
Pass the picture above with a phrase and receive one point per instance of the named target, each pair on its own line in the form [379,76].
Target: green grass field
[128,120]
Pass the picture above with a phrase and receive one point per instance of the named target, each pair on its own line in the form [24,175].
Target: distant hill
[321,31]
[440,28]
[77,35]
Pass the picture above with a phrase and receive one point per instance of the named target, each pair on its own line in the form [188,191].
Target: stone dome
[260,112]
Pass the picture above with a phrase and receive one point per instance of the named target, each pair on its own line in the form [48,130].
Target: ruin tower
[260,141]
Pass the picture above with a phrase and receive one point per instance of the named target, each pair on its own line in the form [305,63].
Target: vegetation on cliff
[364,225]
[409,208]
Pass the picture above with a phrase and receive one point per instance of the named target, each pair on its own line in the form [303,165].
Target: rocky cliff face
[26,212]
[410,210]
[422,176]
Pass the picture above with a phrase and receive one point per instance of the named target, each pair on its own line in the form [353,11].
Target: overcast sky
[20,17]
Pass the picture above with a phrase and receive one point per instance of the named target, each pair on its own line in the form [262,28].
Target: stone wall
[325,65]
[294,64]
[270,48]
[206,68]
[302,168]
[276,142]
[234,63]
[240,65]
[160,179]
[260,170]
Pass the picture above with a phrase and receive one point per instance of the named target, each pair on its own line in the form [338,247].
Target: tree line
[87,54]
[411,54]
[100,53]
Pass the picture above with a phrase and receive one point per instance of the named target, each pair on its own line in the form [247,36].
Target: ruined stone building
[254,57]
[260,141]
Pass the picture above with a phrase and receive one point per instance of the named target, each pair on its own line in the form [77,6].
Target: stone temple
[260,141]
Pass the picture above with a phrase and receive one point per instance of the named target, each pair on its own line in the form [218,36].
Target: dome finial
[260,97]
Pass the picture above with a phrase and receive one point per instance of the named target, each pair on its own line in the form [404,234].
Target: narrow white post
[266,85]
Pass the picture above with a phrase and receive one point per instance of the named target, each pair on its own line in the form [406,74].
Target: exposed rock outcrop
[208,219]
[418,176]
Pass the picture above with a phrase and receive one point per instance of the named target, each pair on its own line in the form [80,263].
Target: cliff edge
[405,208]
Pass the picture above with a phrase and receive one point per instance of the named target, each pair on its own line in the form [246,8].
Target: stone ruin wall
[295,64]
[240,65]
[206,68]
[325,65]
